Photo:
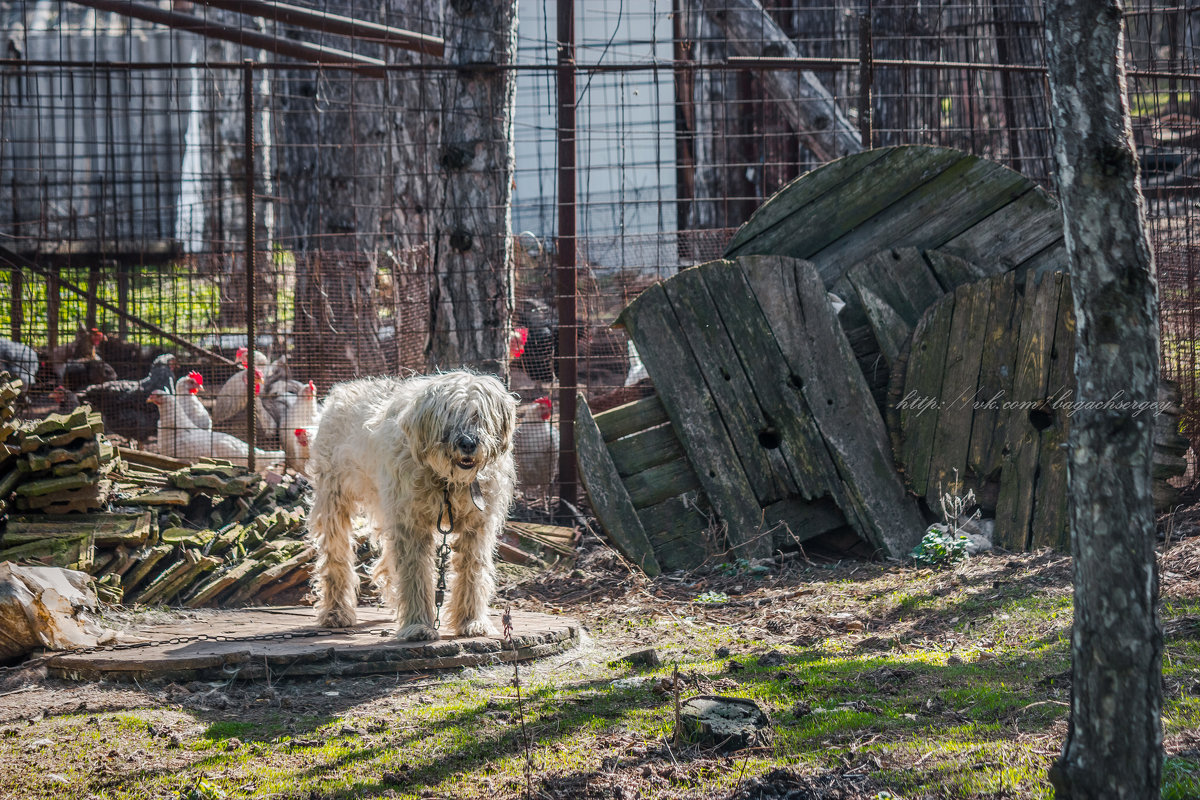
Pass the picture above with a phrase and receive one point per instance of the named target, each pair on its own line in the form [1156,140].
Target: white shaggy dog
[399,449]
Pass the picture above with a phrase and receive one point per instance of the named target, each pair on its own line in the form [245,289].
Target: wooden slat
[811,340]
[725,377]
[668,358]
[996,370]
[681,532]
[800,446]
[936,212]
[1012,234]
[639,451]
[1014,506]
[952,271]
[817,222]
[631,418]
[888,327]
[774,220]
[1050,522]
[659,483]
[960,382]
[797,520]
[607,495]
[900,277]
[918,405]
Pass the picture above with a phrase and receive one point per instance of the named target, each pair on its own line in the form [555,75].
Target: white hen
[186,389]
[179,437]
[535,449]
[298,424]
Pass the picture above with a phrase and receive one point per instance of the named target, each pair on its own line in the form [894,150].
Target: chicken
[535,449]
[186,389]
[19,360]
[298,424]
[87,369]
[229,409]
[65,401]
[539,348]
[122,404]
[184,440]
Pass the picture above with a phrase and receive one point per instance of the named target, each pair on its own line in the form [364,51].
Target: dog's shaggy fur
[392,447]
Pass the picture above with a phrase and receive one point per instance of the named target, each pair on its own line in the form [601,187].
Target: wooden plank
[640,451]
[919,406]
[817,222]
[684,535]
[1051,526]
[901,278]
[996,370]
[728,378]
[934,213]
[791,432]
[888,327]
[960,382]
[1011,235]
[1014,507]
[655,330]
[952,271]
[631,418]
[775,218]
[811,340]
[797,520]
[656,484]
[607,495]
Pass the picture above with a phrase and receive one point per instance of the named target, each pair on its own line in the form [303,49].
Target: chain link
[443,555]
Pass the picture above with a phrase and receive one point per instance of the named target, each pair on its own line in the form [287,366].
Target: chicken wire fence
[487,201]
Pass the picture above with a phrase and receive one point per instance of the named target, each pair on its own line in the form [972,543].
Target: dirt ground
[884,648]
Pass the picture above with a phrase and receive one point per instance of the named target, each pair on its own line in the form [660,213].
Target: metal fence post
[251,247]
[568,330]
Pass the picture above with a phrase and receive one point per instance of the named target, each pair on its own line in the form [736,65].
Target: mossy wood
[779,442]
[984,392]
[891,230]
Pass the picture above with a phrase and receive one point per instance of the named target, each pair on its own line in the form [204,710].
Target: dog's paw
[417,632]
[337,618]
[477,627]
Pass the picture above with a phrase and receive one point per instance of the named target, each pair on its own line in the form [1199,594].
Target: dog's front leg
[413,551]
[474,582]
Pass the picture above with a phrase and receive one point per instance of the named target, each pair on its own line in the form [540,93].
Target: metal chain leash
[443,555]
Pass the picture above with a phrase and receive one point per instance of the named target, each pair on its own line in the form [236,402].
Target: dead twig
[508,630]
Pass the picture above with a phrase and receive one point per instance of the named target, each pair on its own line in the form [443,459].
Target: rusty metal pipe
[335,24]
[202,27]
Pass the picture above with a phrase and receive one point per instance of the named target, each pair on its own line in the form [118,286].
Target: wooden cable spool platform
[281,642]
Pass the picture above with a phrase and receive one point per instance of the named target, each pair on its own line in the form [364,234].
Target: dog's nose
[466,444]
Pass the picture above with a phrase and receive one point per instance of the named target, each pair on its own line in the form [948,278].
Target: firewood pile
[207,534]
[55,465]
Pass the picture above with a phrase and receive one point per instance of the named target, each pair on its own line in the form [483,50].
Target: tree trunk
[1114,742]
[472,296]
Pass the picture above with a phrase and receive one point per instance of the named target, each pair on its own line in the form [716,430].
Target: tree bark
[1114,742]
[472,298]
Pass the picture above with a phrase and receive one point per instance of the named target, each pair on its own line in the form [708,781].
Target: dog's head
[459,422]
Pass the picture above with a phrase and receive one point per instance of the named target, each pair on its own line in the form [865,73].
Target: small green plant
[946,543]
[937,549]
[713,598]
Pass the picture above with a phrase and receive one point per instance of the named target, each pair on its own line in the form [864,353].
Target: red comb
[516,345]
[197,377]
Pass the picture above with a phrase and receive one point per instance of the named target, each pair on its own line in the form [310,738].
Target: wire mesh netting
[408,202]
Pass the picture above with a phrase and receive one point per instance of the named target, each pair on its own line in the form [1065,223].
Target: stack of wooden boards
[207,534]
[835,372]
[56,465]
